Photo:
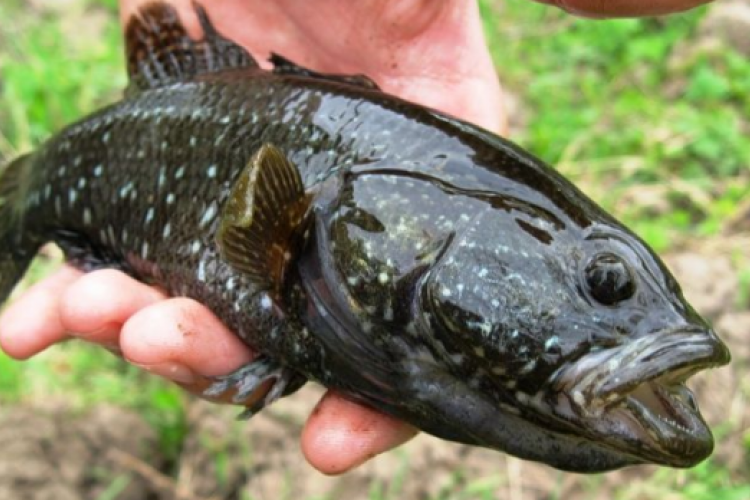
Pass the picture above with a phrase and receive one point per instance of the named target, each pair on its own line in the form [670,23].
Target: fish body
[414,262]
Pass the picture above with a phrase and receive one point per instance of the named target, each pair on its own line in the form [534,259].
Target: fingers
[32,323]
[182,340]
[341,435]
[624,8]
[176,338]
[97,305]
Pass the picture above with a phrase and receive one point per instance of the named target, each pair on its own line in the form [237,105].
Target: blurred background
[649,117]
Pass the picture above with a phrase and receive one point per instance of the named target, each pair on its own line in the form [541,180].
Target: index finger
[624,8]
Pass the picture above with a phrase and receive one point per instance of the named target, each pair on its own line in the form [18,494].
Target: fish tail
[16,248]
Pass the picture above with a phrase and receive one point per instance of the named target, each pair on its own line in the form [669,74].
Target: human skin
[428,51]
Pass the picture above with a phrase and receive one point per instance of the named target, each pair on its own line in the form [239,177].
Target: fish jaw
[633,397]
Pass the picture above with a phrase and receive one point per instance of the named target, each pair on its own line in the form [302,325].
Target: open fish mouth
[633,397]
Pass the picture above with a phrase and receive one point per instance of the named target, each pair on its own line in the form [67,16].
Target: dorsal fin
[160,52]
[283,66]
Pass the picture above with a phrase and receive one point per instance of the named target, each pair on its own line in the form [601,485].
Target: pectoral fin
[265,218]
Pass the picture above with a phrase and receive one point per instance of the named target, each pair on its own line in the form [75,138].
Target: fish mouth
[633,397]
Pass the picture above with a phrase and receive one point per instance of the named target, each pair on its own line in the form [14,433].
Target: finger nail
[172,371]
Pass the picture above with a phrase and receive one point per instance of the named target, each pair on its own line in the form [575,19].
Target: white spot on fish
[528,367]
[98,171]
[105,137]
[125,190]
[578,398]
[162,177]
[144,250]
[149,216]
[266,302]
[86,216]
[211,172]
[208,215]
[180,173]
[170,198]
[196,247]
[72,196]
[167,230]
[551,343]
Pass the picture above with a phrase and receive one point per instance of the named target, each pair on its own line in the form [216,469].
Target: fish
[413,262]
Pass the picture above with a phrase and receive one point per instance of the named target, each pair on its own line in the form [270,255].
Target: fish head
[583,330]
[501,320]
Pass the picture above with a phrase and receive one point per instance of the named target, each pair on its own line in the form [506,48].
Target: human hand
[423,50]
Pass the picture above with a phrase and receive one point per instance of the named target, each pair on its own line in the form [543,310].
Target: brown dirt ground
[52,454]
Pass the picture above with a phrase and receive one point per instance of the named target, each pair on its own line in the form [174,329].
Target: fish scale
[411,261]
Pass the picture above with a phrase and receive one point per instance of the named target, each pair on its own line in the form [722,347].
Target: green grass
[654,131]
[53,72]
[633,112]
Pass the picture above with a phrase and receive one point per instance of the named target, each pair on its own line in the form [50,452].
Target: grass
[52,74]
[652,127]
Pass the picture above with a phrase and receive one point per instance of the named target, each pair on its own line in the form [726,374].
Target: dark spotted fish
[412,261]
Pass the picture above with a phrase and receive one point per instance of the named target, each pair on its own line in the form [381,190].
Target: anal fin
[160,52]
[254,385]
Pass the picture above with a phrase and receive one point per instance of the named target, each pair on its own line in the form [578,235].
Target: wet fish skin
[442,275]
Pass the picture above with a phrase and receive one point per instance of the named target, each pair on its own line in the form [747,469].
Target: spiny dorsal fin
[160,52]
[283,66]
[264,218]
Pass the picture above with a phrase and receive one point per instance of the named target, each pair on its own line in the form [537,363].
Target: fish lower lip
[671,413]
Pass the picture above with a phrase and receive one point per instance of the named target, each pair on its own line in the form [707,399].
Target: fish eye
[609,279]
